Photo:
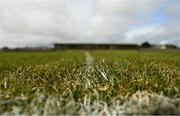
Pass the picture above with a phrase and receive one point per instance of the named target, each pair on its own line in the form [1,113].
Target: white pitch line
[90,67]
[89,62]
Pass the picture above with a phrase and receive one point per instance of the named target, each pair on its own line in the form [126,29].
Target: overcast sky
[44,22]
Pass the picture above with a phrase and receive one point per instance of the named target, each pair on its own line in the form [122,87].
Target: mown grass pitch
[90,82]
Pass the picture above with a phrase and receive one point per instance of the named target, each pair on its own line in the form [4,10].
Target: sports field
[90,82]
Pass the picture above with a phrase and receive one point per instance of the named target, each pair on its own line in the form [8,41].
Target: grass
[90,82]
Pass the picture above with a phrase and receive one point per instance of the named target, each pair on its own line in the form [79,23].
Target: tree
[146,45]
[5,48]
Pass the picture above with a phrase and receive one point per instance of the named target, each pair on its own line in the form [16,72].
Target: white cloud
[146,32]
[43,22]
[155,34]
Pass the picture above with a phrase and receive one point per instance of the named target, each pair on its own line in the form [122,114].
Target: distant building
[26,49]
[165,46]
[88,46]
[147,45]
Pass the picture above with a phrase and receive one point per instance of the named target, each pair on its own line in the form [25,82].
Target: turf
[90,82]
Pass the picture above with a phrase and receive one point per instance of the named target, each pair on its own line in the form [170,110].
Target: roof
[97,44]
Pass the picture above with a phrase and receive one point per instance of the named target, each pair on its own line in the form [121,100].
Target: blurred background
[41,23]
